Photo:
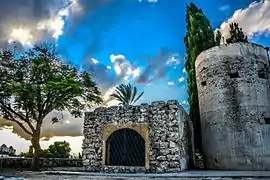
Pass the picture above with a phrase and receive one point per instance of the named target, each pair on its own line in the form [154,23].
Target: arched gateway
[125,147]
[146,138]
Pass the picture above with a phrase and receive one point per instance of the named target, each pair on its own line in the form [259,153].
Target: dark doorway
[125,147]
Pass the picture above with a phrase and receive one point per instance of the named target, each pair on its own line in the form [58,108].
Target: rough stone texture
[169,136]
[24,163]
[234,99]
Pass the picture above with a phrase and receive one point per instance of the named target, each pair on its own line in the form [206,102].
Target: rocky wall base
[24,163]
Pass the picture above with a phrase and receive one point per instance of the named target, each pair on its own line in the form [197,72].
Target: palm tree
[126,94]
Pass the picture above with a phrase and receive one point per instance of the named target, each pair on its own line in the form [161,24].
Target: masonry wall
[234,98]
[168,130]
[25,163]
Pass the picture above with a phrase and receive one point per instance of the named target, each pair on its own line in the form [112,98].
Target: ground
[190,175]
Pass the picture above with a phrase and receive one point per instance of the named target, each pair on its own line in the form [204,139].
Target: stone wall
[234,98]
[24,163]
[165,128]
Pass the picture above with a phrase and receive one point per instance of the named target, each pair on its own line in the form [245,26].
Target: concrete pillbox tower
[234,100]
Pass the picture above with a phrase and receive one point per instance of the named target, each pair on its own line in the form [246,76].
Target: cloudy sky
[119,41]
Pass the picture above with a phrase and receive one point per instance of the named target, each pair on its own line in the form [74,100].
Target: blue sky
[137,29]
[121,41]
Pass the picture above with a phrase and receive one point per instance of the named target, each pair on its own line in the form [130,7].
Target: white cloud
[184,70]
[121,65]
[54,25]
[181,79]
[24,36]
[185,103]
[31,22]
[136,72]
[95,61]
[254,19]
[173,60]
[224,8]
[107,95]
[170,83]
[123,68]
[150,1]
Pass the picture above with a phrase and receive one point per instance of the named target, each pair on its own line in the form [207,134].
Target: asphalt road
[190,175]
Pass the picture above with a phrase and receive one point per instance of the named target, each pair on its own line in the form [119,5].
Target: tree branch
[11,118]
[10,111]
[27,119]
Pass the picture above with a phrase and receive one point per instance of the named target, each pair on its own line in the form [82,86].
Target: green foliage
[126,94]
[218,38]
[199,37]
[47,154]
[59,150]
[35,82]
[30,152]
[237,34]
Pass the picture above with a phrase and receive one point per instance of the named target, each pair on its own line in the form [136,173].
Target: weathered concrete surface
[168,133]
[192,175]
[234,98]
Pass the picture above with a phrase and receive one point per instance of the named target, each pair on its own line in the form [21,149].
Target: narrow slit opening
[267,120]
[262,74]
[234,75]
[203,83]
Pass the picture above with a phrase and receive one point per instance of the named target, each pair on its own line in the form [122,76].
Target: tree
[47,154]
[236,34]
[199,37]
[59,149]
[126,94]
[218,38]
[37,81]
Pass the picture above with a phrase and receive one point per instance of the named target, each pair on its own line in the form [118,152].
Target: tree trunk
[35,166]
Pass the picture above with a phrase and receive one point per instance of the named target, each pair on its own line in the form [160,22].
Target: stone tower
[234,99]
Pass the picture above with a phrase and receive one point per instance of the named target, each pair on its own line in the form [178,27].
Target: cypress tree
[218,38]
[199,37]
[237,34]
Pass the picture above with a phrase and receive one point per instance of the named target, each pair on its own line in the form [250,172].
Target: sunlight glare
[22,35]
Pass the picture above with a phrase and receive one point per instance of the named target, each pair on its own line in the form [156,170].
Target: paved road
[191,175]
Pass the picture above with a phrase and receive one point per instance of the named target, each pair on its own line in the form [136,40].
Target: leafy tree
[59,149]
[199,37]
[35,82]
[237,34]
[126,94]
[47,154]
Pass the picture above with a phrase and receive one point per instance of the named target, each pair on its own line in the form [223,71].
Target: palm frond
[134,94]
[138,97]
[126,94]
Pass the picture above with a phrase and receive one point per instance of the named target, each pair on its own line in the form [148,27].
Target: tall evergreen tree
[237,34]
[199,37]
[218,38]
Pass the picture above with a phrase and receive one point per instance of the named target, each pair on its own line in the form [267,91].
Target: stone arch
[125,147]
[113,134]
